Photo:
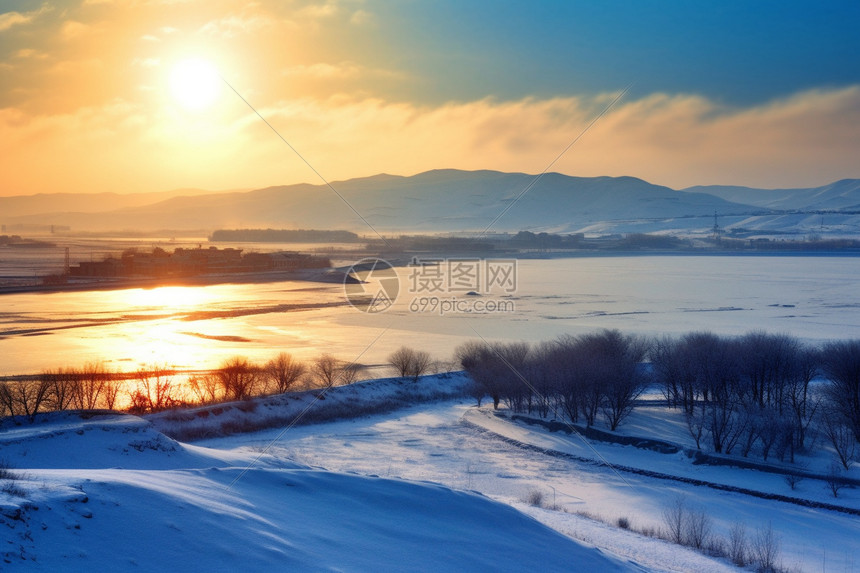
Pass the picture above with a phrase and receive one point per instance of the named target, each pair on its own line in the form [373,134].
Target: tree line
[749,394]
[762,394]
[154,388]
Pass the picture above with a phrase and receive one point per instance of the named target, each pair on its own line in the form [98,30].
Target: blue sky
[738,53]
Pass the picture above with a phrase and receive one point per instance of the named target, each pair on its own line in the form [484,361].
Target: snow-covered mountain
[841,195]
[450,201]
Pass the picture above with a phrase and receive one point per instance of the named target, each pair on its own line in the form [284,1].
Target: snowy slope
[78,506]
[464,448]
[843,194]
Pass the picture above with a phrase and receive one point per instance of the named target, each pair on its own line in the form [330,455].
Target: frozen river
[813,297]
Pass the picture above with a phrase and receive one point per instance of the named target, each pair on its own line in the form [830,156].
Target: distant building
[190,262]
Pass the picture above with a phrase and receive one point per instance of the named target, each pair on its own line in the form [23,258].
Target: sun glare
[195,83]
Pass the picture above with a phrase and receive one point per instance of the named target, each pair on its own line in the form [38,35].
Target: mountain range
[451,200]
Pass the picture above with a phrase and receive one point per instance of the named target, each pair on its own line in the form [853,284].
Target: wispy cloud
[147,62]
[237,24]
[362,18]
[339,71]
[807,139]
[10,19]
[319,11]
[30,54]
[72,29]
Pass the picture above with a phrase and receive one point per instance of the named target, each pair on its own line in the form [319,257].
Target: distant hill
[451,200]
[839,196]
[41,203]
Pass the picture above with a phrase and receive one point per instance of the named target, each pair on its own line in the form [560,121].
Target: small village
[183,262]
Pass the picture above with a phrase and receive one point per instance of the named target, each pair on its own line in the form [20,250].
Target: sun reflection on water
[167,298]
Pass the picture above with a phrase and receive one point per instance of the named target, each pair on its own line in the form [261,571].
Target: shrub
[535,498]
[698,530]
[8,479]
[675,520]
[6,470]
[765,549]
[738,544]
[792,480]
[834,479]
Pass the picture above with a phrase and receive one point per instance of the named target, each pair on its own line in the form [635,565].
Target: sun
[195,83]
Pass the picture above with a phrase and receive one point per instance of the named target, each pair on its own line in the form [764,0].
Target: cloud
[323,70]
[30,54]
[72,29]
[147,62]
[807,139]
[234,25]
[318,11]
[73,67]
[10,19]
[342,71]
[362,18]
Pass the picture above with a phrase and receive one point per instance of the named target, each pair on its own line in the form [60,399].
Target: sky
[98,95]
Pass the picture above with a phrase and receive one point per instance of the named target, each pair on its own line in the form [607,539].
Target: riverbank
[92,284]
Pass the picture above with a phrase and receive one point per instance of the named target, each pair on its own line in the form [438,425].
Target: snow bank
[312,406]
[174,507]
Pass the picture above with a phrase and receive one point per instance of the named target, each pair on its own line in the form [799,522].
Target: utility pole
[716,229]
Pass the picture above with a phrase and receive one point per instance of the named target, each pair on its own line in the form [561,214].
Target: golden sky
[361,87]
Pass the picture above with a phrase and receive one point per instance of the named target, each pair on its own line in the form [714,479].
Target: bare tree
[410,363]
[752,427]
[509,366]
[205,388]
[541,374]
[624,380]
[239,378]
[325,369]
[349,373]
[110,391]
[283,372]
[792,480]
[696,425]
[6,400]
[766,362]
[24,397]
[840,435]
[153,389]
[595,373]
[91,382]
[671,366]
[476,391]
[477,360]
[803,405]
[62,387]
[841,365]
